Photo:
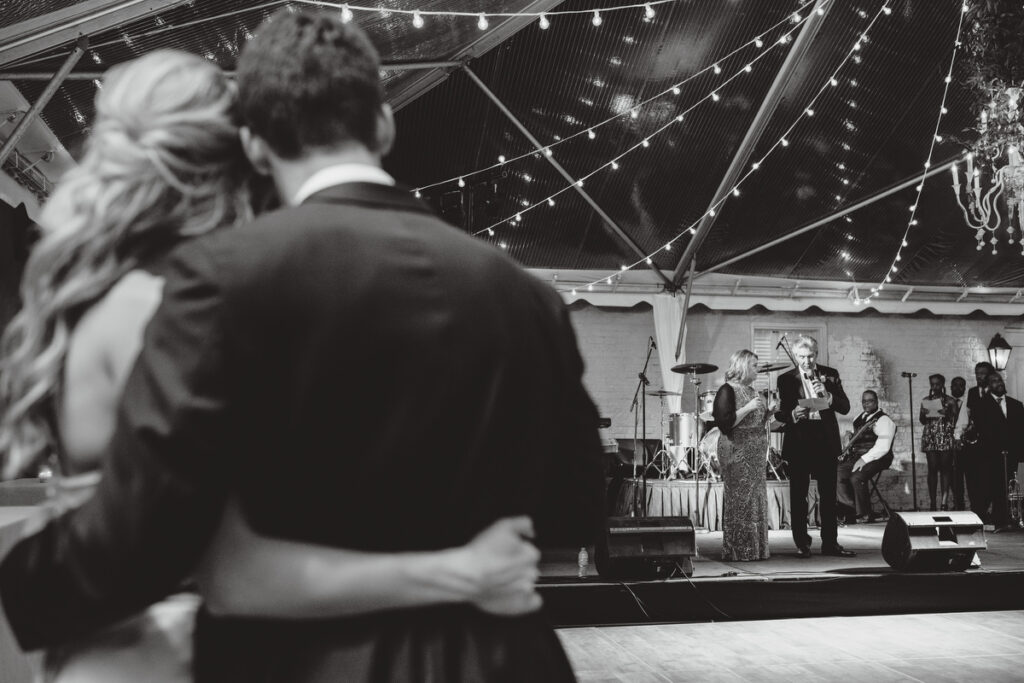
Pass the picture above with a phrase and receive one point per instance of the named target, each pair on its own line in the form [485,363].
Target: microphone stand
[642,395]
[913,452]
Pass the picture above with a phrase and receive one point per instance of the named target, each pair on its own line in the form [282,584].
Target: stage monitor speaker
[644,548]
[932,541]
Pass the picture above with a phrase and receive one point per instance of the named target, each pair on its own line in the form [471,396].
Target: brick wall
[869,350]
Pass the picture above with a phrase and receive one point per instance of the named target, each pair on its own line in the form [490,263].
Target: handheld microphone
[810,376]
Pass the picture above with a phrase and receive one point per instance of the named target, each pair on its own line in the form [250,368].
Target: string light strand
[781,142]
[613,163]
[912,221]
[673,89]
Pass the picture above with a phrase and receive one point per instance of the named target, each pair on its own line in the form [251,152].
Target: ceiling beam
[821,222]
[44,98]
[610,223]
[64,26]
[423,83]
[754,132]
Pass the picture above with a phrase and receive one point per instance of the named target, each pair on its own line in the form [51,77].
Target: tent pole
[754,132]
[871,199]
[48,92]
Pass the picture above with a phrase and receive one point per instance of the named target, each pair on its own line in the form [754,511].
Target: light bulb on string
[417,194]
[633,113]
[676,90]
[784,142]
[591,134]
[668,246]
[551,202]
[646,142]
[544,23]
[735,192]
[906,243]
[346,14]
[715,96]
[717,69]
[887,10]
[597,21]
[482,23]
[758,42]
[648,12]
[501,158]
[615,166]
[748,68]
[417,20]
[648,260]
[490,231]
[462,183]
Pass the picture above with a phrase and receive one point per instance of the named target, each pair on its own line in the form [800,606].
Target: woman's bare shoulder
[110,332]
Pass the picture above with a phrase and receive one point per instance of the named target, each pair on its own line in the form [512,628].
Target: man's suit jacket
[998,432]
[811,443]
[361,375]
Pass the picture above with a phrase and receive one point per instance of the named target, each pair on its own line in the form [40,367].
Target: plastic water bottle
[583,562]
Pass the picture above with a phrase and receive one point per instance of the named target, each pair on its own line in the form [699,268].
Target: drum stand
[697,461]
[768,452]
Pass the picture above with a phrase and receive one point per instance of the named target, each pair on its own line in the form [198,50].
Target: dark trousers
[852,487]
[799,482]
[959,475]
[995,476]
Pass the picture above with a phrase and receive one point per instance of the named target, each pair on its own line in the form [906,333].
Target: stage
[785,586]
[685,498]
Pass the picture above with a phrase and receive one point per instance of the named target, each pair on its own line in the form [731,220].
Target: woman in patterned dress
[937,440]
[740,414]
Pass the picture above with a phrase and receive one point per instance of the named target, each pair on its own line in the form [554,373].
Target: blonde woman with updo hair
[740,413]
[163,164]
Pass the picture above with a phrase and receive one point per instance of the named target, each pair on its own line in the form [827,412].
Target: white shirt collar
[339,175]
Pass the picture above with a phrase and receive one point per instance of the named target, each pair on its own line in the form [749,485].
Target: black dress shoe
[837,551]
[803,552]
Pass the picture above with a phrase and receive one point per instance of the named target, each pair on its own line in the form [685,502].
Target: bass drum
[708,450]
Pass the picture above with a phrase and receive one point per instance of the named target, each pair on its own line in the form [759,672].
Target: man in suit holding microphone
[812,444]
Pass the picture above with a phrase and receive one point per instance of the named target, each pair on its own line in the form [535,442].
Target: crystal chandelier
[994,183]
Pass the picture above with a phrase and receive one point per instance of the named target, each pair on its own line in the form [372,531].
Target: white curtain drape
[668,315]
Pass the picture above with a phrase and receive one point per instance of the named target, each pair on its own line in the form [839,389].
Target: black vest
[866,440]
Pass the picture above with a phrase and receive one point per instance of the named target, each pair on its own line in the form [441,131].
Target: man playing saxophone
[868,452]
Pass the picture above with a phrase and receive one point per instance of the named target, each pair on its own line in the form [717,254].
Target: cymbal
[662,392]
[771,367]
[694,368]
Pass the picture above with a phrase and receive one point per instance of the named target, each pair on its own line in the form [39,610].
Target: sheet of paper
[813,403]
[932,406]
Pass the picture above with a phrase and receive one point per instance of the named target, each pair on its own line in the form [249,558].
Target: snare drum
[682,430]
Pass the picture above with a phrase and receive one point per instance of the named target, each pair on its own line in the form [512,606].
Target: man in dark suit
[999,421]
[965,433]
[291,362]
[811,445]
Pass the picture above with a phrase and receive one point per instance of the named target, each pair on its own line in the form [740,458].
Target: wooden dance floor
[936,648]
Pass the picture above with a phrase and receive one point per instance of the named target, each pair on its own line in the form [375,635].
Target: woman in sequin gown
[740,414]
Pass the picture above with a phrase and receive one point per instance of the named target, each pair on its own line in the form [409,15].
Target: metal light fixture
[999,352]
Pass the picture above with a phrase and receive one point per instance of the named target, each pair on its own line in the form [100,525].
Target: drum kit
[690,445]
